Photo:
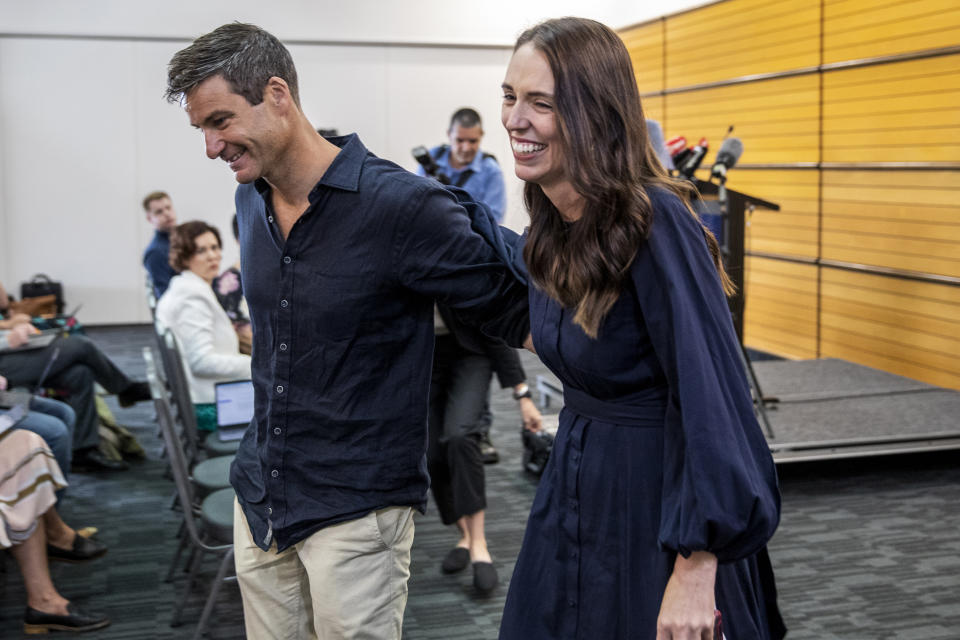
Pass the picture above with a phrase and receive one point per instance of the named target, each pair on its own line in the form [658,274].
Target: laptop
[34,341]
[234,408]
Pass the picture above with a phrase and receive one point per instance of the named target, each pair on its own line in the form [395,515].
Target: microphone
[730,151]
[692,162]
[678,150]
[676,145]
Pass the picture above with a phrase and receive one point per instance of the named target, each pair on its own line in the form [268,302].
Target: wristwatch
[524,392]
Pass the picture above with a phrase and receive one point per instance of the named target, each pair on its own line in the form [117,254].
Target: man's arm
[440,256]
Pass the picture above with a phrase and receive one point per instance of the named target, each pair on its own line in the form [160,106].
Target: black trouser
[458,416]
[79,364]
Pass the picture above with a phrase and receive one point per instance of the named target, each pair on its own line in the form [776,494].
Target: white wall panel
[496,22]
[69,163]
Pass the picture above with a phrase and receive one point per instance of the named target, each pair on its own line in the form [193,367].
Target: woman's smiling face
[529,116]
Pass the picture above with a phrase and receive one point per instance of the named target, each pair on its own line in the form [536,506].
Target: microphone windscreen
[657,141]
[730,151]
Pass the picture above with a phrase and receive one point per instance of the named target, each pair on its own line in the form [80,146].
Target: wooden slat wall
[740,38]
[778,120]
[900,112]
[901,219]
[894,112]
[792,231]
[781,313]
[855,29]
[907,327]
[645,44]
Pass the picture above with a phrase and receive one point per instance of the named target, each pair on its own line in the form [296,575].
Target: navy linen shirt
[342,316]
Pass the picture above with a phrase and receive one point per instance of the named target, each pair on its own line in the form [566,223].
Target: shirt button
[270,511]
[287,260]
[284,304]
[573,603]
[283,346]
[279,388]
[573,505]
[276,431]
[269,218]
[275,473]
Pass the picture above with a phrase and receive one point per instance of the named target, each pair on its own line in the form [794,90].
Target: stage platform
[830,408]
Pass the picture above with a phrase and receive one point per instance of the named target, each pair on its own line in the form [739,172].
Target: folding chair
[209,527]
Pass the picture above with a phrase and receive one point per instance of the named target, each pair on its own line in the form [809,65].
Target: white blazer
[205,334]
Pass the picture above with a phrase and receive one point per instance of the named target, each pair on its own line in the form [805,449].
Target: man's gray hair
[245,56]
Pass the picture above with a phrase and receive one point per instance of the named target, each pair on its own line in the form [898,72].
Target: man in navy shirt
[343,255]
[156,257]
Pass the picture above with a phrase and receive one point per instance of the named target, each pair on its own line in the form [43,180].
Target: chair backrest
[180,393]
[178,458]
[158,339]
[151,295]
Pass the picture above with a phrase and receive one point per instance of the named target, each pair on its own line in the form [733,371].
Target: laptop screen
[234,403]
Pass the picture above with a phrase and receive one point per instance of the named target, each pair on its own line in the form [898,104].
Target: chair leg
[214,591]
[195,561]
[176,557]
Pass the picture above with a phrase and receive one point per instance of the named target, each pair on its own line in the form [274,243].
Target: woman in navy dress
[661,494]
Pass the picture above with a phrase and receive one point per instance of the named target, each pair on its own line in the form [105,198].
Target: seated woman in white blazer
[190,309]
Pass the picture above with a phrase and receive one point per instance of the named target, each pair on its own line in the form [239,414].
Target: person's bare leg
[464,533]
[475,536]
[58,532]
[31,555]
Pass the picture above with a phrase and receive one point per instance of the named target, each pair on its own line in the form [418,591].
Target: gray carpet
[866,549]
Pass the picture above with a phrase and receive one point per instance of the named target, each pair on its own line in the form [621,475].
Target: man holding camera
[462,164]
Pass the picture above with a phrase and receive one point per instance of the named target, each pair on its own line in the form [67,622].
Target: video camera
[422,155]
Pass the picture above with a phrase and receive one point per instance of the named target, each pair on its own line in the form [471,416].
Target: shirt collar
[343,173]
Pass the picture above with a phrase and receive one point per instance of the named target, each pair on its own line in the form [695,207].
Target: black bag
[42,285]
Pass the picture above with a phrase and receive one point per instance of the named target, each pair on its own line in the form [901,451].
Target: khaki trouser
[346,581]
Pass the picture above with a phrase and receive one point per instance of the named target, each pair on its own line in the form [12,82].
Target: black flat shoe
[136,392]
[456,560]
[35,622]
[484,577]
[94,460]
[488,453]
[83,549]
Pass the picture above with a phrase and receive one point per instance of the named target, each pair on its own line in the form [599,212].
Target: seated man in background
[156,257]
[71,364]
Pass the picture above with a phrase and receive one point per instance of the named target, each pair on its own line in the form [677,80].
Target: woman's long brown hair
[609,163]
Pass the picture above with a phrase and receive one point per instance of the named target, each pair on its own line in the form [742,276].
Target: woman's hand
[532,420]
[528,343]
[686,612]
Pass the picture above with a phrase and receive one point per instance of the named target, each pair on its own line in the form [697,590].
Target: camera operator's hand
[532,420]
